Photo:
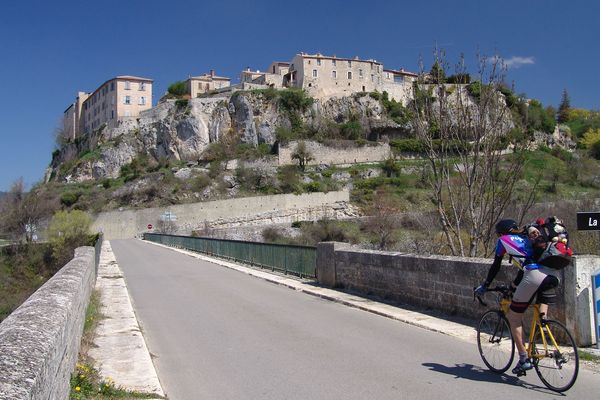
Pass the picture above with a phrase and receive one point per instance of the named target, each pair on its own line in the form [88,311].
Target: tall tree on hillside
[464,134]
[564,107]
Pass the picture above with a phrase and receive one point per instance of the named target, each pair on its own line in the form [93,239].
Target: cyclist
[531,279]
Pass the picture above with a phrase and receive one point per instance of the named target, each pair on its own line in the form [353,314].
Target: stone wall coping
[39,341]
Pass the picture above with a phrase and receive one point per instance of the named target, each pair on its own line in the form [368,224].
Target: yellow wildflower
[77,388]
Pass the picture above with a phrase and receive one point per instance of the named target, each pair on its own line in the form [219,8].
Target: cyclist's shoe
[522,368]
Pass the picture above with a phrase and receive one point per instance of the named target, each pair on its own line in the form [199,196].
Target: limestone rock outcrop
[181,130]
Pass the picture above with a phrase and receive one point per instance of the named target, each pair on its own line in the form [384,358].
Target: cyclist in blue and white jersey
[531,279]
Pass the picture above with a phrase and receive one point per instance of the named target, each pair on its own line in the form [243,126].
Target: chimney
[212,72]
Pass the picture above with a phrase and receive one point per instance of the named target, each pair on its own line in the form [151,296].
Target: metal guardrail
[289,259]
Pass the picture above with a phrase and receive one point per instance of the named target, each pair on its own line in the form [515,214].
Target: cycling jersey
[516,246]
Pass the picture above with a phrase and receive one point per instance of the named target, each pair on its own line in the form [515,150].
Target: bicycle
[557,366]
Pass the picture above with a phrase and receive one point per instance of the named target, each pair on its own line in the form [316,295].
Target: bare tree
[383,219]
[465,130]
[22,212]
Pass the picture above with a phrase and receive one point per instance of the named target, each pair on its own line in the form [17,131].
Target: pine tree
[564,108]
[438,75]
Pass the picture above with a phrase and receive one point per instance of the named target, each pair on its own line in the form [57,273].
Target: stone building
[330,76]
[116,100]
[72,118]
[197,85]
[272,77]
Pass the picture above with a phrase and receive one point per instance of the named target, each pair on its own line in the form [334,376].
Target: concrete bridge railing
[39,341]
[446,283]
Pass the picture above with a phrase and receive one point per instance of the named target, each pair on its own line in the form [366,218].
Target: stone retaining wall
[222,213]
[39,341]
[323,154]
[446,283]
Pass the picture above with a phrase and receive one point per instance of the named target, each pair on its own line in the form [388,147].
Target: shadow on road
[471,372]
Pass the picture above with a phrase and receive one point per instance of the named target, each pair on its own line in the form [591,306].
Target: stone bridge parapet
[39,341]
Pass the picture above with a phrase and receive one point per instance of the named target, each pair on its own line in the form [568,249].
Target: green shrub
[375,95]
[314,186]
[134,169]
[181,103]
[351,130]
[294,100]
[595,150]
[177,88]
[69,198]
[68,230]
[474,89]
[200,182]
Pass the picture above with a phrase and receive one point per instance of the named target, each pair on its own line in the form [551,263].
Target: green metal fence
[297,260]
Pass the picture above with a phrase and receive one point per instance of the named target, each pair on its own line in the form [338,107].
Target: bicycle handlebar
[505,290]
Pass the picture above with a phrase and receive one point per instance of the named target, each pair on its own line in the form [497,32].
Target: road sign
[596,293]
[149,226]
[588,221]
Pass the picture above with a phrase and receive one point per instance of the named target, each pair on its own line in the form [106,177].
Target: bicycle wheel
[495,342]
[556,365]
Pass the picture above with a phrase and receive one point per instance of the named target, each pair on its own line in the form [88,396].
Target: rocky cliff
[182,130]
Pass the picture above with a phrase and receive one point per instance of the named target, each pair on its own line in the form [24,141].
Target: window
[112,114]
[314,73]
[333,62]
[112,86]
[127,100]
[199,86]
[398,78]
[349,64]
[318,61]
[372,78]
[142,86]
[142,101]
[349,74]
[334,74]
[127,85]
[378,69]
[360,73]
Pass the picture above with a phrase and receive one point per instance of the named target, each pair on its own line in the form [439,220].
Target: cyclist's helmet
[506,226]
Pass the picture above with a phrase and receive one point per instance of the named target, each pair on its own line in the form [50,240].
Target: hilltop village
[124,97]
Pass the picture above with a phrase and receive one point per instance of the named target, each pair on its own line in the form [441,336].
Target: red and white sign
[149,226]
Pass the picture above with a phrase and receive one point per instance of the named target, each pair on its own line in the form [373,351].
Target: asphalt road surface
[217,333]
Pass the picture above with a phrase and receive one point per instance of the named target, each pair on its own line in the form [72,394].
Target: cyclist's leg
[547,294]
[525,293]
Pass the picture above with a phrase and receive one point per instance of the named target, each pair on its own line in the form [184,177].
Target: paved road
[220,334]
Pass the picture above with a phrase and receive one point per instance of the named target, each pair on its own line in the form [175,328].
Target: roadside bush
[68,230]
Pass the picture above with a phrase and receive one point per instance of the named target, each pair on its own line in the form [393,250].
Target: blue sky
[51,49]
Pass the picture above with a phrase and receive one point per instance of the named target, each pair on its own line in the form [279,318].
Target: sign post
[590,221]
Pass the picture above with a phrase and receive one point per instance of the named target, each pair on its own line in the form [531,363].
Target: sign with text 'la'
[588,221]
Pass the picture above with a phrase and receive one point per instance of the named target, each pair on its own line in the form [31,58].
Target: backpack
[554,230]
[557,254]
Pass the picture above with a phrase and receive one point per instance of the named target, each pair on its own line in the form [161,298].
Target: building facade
[115,100]
[72,117]
[328,76]
[197,85]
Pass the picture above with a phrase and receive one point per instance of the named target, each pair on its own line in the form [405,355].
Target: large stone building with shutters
[330,76]
[116,100]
